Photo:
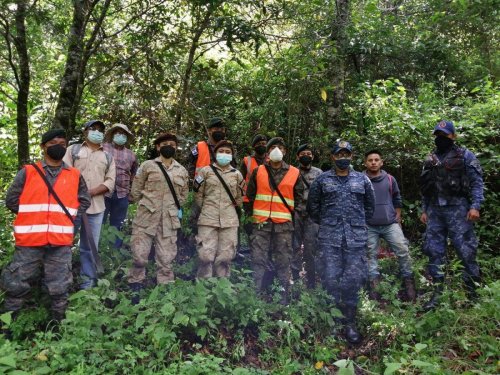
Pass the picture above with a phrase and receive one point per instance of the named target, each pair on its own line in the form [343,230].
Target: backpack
[75,150]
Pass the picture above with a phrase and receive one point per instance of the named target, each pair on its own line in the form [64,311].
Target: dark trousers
[116,209]
[26,267]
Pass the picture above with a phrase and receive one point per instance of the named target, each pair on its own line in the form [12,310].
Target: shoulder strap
[308,185]
[51,190]
[170,185]
[226,188]
[275,187]
[75,150]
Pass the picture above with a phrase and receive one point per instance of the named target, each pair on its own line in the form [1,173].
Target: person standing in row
[118,137]
[160,188]
[43,230]
[274,189]
[341,201]
[386,223]
[306,231]
[452,190]
[99,171]
[218,192]
[250,162]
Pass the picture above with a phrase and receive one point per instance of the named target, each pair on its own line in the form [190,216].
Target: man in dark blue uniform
[452,189]
[340,201]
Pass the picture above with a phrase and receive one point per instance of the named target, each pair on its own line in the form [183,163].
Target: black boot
[470,288]
[411,293]
[351,333]
[436,296]
[136,290]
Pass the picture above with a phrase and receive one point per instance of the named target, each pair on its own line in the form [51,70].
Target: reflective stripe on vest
[40,220]
[251,164]
[268,204]
[203,156]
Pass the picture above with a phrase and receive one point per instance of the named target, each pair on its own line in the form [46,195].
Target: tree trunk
[23,83]
[78,55]
[338,70]
[189,67]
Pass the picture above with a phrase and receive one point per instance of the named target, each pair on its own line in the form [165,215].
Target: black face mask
[443,143]
[305,160]
[260,150]
[56,152]
[167,151]
[218,135]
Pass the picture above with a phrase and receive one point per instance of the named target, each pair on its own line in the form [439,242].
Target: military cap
[275,141]
[258,138]
[216,122]
[341,145]
[165,137]
[224,143]
[303,147]
[446,127]
[53,133]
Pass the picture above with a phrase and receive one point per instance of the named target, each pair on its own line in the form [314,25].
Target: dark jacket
[387,199]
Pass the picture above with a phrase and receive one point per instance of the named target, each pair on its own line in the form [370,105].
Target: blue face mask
[343,163]
[95,136]
[223,159]
[120,139]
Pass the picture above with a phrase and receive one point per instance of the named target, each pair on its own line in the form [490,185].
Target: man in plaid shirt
[118,138]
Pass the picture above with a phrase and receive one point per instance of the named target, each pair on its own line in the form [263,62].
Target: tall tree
[14,35]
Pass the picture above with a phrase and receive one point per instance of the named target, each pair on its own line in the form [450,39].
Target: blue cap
[88,124]
[341,145]
[445,127]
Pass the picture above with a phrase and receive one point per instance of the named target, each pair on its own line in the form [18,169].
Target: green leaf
[167,309]
[341,363]
[419,347]
[141,318]
[6,318]
[8,360]
[391,368]
[420,364]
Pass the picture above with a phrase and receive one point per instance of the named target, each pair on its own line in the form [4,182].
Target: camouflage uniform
[218,221]
[156,219]
[341,205]
[447,216]
[272,248]
[55,260]
[306,232]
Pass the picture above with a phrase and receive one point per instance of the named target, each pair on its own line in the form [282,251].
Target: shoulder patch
[198,180]
[476,165]
[194,151]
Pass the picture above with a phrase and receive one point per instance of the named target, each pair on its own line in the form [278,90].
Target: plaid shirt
[126,167]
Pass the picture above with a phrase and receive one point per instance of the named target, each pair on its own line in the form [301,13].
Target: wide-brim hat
[111,131]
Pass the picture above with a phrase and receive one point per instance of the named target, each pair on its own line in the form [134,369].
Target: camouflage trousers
[26,267]
[165,252]
[344,271]
[450,221]
[271,253]
[306,235]
[216,250]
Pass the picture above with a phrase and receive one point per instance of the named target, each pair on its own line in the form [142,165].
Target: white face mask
[276,155]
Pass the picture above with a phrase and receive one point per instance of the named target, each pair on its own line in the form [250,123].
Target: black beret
[53,133]
[303,147]
[216,122]
[224,143]
[165,137]
[258,138]
[275,141]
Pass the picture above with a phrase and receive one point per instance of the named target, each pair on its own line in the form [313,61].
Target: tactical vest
[40,220]
[203,156]
[251,164]
[446,177]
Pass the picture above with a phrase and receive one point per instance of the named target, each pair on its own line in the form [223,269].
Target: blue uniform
[341,205]
[447,217]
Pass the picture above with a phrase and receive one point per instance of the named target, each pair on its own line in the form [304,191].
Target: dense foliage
[379,73]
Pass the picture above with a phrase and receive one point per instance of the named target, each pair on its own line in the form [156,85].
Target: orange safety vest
[40,220]
[203,156]
[268,204]
[251,164]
